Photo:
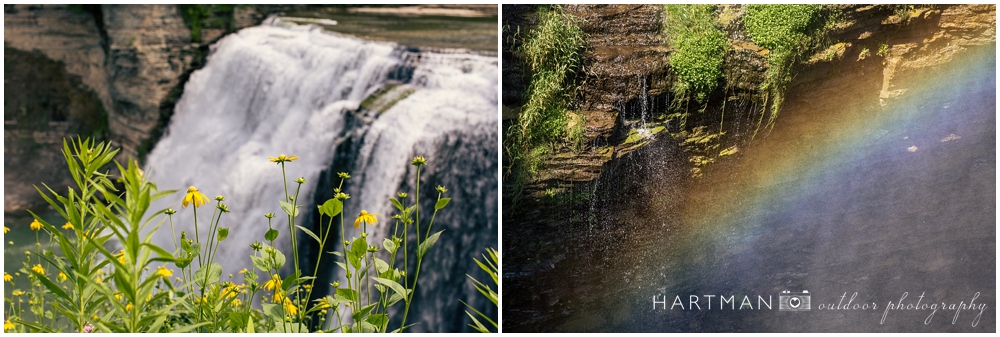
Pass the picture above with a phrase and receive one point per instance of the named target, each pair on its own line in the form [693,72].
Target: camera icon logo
[792,301]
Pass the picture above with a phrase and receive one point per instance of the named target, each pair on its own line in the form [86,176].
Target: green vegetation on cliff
[551,51]
[699,47]
[197,17]
[790,33]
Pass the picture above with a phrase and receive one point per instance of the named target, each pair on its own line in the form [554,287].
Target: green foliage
[105,274]
[789,33]
[490,267]
[551,51]
[699,46]
[197,17]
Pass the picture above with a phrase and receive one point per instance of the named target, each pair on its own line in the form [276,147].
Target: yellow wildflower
[195,197]
[243,271]
[67,226]
[121,256]
[322,303]
[128,307]
[119,296]
[62,277]
[17,293]
[290,307]
[38,269]
[35,225]
[100,279]
[6,229]
[7,325]
[149,297]
[7,277]
[366,217]
[274,282]
[279,295]
[229,291]
[418,161]
[164,272]
[282,158]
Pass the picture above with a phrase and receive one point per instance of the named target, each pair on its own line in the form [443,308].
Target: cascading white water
[452,121]
[285,89]
[265,91]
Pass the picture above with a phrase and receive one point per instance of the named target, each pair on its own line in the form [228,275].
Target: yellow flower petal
[35,225]
[366,217]
[195,197]
[164,272]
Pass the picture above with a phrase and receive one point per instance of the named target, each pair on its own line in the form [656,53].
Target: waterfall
[298,90]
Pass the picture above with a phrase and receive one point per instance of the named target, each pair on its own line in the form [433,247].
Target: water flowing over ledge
[280,88]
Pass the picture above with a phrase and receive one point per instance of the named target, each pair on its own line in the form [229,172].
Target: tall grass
[551,51]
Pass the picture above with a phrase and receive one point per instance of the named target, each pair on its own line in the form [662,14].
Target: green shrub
[699,47]
[551,51]
[788,32]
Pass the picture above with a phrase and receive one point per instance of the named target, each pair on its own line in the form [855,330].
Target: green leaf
[331,208]
[377,319]
[260,262]
[271,234]
[313,235]
[367,327]
[238,320]
[208,274]
[289,209]
[396,203]
[52,286]
[358,249]
[223,234]
[389,245]
[427,244]
[441,203]
[250,326]
[361,313]
[381,266]
[399,289]
[273,310]
[279,257]
[346,294]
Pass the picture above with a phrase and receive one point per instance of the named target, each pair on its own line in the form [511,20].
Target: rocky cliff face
[149,48]
[626,65]
[565,206]
[133,59]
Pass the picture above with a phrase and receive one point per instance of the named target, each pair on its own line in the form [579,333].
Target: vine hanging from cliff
[551,51]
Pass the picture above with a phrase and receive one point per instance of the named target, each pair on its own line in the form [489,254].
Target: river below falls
[861,204]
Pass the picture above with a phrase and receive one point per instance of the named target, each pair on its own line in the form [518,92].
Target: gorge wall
[626,69]
[125,62]
[569,202]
